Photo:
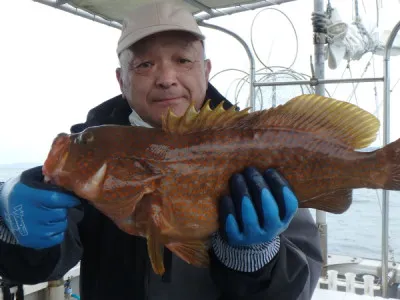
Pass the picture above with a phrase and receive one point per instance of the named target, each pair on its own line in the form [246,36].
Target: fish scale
[165,183]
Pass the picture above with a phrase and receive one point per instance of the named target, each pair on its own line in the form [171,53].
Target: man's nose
[166,75]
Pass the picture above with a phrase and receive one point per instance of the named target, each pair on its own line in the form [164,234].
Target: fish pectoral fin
[120,202]
[335,202]
[155,250]
[192,252]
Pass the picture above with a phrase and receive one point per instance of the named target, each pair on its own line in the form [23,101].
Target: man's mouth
[167,99]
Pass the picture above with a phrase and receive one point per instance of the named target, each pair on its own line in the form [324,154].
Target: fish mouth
[56,159]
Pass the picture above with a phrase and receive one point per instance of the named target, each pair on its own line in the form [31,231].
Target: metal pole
[274,93]
[317,82]
[249,54]
[386,140]
[201,6]
[319,64]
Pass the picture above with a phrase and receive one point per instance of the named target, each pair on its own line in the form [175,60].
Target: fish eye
[84,138]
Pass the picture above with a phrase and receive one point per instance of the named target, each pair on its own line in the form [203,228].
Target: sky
[55,66]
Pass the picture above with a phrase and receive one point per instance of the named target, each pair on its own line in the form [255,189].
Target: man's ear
[207,69]
[119,78]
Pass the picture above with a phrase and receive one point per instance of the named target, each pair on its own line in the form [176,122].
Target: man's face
[166,70]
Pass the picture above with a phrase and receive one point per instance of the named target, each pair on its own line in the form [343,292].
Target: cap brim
[134,37]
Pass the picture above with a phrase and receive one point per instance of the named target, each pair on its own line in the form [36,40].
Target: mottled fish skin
[164,184]
[191,185]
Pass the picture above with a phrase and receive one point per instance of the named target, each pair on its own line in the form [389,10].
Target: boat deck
[322,294]
[38,291]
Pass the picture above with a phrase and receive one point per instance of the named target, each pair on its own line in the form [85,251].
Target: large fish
[164,183]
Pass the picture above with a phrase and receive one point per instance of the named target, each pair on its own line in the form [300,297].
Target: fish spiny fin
[192,252]
[155,251]
[344,121]
[206,118]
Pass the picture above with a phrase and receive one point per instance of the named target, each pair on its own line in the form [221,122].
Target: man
[266,247]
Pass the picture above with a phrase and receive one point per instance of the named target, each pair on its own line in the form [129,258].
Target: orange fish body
[164,184]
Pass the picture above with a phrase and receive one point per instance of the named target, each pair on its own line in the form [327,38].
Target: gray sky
[56,66]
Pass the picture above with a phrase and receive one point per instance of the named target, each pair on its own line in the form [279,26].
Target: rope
[357,15]
[355,86]
[319,22]
[329,10]
[362,75]
[395,85]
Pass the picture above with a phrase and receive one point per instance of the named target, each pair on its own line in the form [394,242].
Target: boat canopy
[113,12]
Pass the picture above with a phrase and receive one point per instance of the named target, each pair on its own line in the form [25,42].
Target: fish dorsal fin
[352,125]
[321,115]
[206,118]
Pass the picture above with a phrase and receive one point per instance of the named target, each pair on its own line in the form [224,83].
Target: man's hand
[260,208]
[35,212]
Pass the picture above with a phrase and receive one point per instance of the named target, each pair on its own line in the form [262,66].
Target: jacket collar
[117,110]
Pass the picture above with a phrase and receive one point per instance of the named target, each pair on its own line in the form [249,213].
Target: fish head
[77,163]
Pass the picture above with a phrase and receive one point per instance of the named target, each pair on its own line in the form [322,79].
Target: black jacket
[115,265]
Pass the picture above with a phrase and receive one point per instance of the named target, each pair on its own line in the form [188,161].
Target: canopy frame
[204,12]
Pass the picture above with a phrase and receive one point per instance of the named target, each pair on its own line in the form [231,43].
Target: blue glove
[35,212]
[259,209]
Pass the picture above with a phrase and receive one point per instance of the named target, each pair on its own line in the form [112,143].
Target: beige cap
[156,17]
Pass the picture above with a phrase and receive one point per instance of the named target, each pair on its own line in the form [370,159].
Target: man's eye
[143,65]
[184,61]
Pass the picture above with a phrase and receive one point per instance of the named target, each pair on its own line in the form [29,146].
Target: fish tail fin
[391,154]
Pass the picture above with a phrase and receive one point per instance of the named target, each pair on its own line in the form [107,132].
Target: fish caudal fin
[156,253]
[391,155]
[193,252]
[335,202]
